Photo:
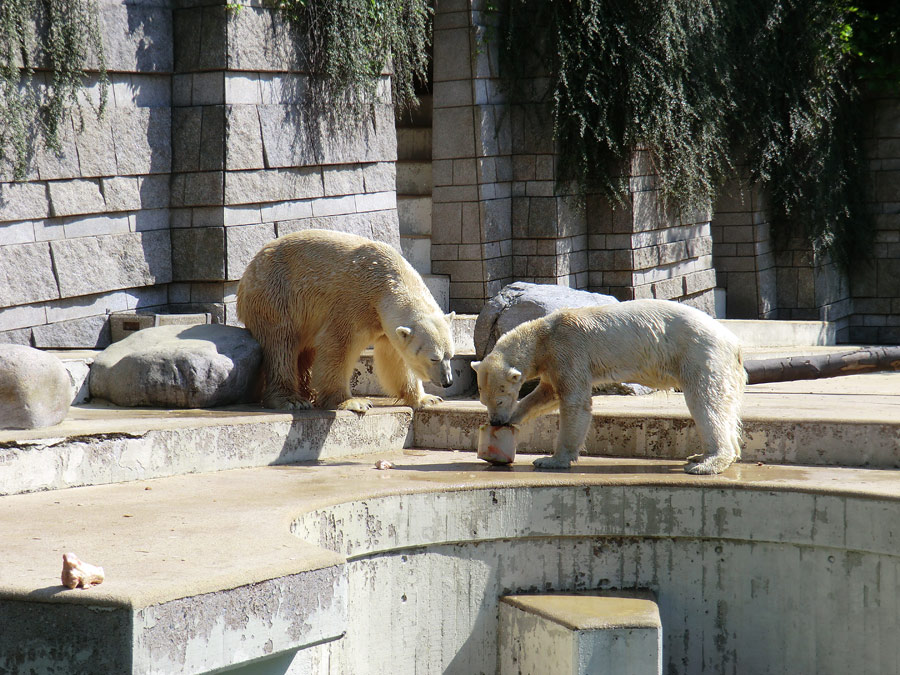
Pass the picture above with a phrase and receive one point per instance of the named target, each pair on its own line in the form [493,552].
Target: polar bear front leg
[574,420]
[397,379]
[280,362]
[538,402]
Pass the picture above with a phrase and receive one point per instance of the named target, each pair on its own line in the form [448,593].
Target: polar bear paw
[278,402]
[359,405]
[708,464]
[429,399]
[552,462]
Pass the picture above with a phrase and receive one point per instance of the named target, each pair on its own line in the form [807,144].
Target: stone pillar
[742,251]
[471,158]
[640,249]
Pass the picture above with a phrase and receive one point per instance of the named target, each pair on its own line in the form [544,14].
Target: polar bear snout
[446,375]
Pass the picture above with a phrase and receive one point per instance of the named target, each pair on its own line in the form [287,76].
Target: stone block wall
[642,249]
[256,156]
[498,212]
[210,148]
[875,284]
[87,231]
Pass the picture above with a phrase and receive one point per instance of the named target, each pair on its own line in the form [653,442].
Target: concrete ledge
[771,569]
[100,443]
[580,634]
[782,333]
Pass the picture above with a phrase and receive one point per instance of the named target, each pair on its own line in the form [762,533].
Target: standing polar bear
[656,343]
[315,299]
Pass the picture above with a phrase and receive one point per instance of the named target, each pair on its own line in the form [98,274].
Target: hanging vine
[709,84]
[347,44]
[59,37]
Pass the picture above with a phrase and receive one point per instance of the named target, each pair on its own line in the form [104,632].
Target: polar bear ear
[451,316]
[475,365]
[514,376]
[403,332]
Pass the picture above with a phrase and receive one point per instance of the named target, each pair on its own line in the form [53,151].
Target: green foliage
[59,36]
[348,43]
[706,85]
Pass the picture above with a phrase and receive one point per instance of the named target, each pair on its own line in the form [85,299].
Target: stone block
[208,89]
[243,138]
[197,189]
[91,264]
[451,57]
[142,90]
[259,39]
[342,180]
[23,201]
[121,193]
[186,129]
[136,38]
[71,197]
[242,243]
[212,147]
[26,274]
[143,140]
[377,201]
[85,333]
[287,137]
[250,187]
[198,254]
[153,191]
[92,226]
[52,165]
[379,176]
[454,133]
[21,232]
[149,219]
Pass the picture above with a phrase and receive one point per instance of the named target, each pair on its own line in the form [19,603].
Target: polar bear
[315,299]
[657,343]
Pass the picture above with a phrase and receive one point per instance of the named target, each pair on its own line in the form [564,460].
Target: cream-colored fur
[656,343]
[315,299]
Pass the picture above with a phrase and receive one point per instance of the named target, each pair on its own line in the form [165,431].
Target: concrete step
[851,421]
[782,333]
[365,383]
[580,634]
[413,143]
[414,213]
[414,177]
[416,248]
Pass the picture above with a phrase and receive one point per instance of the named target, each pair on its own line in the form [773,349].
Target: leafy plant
[707,85]
[59,36]
[347,45]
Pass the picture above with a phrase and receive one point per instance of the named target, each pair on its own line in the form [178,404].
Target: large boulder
[178,367]
[520,302]
[35,389]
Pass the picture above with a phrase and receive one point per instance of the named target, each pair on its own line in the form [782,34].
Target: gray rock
[35,390]
[520,302]
[178,367]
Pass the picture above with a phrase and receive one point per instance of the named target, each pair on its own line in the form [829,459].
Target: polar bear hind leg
[337,351]
[285,385]
[397,380]
[715,408]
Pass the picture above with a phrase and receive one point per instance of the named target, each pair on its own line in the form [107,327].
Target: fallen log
[835,364]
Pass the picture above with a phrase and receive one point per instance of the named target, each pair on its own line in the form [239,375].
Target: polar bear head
[427,347]
[498,387]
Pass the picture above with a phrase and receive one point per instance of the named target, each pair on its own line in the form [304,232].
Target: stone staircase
[414,184]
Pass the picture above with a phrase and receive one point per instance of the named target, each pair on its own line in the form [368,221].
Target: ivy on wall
[707,85]
[347,44]
[59,37]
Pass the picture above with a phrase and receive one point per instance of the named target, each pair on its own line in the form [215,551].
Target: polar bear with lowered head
[315,299]
[657,343]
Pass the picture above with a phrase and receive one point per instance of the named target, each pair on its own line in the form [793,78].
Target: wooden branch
[836,364]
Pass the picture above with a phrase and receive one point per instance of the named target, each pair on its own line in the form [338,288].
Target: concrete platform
[338,567]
